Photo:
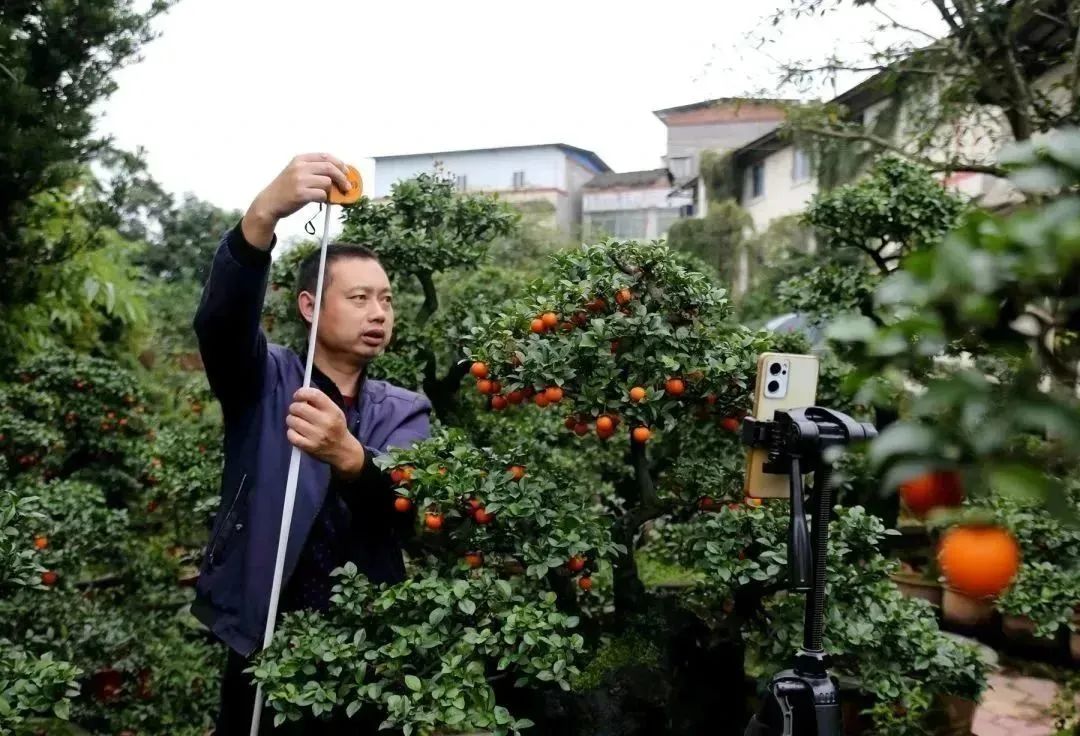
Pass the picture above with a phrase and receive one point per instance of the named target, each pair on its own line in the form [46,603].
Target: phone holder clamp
[804,700]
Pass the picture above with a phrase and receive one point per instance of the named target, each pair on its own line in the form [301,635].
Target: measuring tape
[336,197]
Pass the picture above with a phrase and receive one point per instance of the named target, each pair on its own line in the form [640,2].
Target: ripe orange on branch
[623,297]
[554,394]
[931,490]
[479,370]
[637,393]
[484,386]
[537,326]
[675,386]
[498,403]
[641,435]
[402,504]
[575,563]
[517,471]
[550,319]
[433,521]
[41,542]
[979,561]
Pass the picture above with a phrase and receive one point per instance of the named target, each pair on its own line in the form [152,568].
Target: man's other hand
[307,178]
[317,426]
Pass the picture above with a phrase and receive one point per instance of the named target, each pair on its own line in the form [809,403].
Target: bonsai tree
[97,500]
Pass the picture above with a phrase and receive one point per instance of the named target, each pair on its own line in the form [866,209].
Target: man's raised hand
[307,178]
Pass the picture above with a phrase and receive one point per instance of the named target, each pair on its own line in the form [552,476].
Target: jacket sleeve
[370,495]
[227,322]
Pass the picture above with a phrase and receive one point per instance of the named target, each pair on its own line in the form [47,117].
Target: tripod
[804,700]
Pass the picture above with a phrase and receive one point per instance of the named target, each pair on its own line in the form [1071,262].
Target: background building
[633,205]
[541,178]
[718,125]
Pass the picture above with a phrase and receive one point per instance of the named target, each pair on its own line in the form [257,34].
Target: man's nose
[378,314]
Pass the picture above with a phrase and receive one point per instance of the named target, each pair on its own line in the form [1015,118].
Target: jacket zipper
[225,520]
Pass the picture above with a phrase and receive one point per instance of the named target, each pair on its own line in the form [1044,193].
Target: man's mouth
[373,337]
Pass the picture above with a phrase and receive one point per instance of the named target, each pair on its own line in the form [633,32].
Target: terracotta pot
[1023,628]
[1074,637]
[855,721]
[960,609]
[958,714]
[915,585]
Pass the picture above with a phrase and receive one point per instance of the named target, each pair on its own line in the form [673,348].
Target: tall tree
[57,61]
[988,72]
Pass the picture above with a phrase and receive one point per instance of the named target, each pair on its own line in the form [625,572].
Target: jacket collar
[321,381]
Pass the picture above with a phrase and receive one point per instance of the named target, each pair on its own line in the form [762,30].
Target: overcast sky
[233,88]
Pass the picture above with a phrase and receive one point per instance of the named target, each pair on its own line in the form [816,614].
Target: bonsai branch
[431,297]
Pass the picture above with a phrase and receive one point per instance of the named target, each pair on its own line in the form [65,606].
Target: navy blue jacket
[255,382]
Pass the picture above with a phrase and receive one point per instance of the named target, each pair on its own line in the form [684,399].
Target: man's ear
[305,302]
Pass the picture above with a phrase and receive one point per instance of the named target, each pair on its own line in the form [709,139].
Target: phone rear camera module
[774,386]
[775,369]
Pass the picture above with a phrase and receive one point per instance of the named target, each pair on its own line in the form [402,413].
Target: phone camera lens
[774,386]
[775,369]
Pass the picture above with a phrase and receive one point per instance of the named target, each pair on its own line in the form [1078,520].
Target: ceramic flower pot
[915,585]
[960,609]
[957,715]
[1023,628]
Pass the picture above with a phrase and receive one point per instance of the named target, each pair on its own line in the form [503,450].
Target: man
[344,504]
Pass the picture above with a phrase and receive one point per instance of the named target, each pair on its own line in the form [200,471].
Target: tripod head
[804,701]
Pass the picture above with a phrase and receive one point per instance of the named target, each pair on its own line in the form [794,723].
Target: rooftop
[720,101]
[585,156]
[630,179]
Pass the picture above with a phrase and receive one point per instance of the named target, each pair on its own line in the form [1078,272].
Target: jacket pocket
[228,527]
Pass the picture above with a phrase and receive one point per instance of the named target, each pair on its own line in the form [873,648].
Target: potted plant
[1040,602]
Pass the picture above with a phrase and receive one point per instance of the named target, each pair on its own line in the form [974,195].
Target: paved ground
[1015,705]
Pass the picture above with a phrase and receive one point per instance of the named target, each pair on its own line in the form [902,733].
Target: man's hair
[307,276]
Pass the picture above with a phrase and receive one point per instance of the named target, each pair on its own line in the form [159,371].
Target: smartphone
[784,381]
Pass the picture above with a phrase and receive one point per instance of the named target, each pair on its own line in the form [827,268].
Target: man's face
[357,315]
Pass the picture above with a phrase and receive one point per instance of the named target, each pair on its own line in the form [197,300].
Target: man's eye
[360,297]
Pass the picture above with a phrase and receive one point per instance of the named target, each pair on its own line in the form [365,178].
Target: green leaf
[1019,481]
[413,683]
[851,328]
[352,708]
[467,607]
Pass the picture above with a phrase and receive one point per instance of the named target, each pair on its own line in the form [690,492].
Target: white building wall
[782,195]
[625,199]
[544,168]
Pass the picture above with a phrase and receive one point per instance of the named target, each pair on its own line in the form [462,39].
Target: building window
[665,219]
[623,224]
[461,181]
[800,166]
[519,180]
[757,180]
[680,167]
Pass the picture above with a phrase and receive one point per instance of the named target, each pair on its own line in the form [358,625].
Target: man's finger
[314,195]
[303,426]
[316,181]
[314,396]
[326,168]
[324,157]
[298,440]
[305,411]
